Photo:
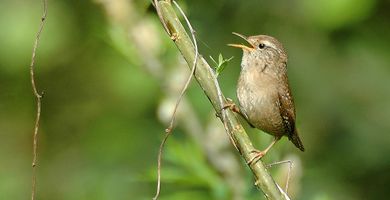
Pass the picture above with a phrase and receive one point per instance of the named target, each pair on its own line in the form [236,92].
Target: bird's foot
[260,154]
[257,157]
[231,105]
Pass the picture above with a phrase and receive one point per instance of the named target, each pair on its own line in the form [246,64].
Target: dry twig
[290,166]
[169,130]
[38,98]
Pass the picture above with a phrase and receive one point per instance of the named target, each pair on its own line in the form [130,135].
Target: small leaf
[229,59]
[221,67]
[215,62]
[221,64]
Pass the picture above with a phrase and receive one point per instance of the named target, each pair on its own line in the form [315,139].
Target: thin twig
[290,165]
[169,130]
[38,98]
[159,166]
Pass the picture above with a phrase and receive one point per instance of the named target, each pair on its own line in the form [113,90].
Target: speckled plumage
[263,91]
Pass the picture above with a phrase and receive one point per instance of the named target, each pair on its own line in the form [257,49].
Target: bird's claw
[257,157]
[231,105]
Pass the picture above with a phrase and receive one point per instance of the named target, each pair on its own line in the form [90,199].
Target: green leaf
[221,64]
[215,62]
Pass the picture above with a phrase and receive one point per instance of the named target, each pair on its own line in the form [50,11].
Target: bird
[263,91]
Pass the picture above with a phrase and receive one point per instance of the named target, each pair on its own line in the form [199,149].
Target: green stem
[206,78]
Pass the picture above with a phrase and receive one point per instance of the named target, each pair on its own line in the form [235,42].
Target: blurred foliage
[100,132]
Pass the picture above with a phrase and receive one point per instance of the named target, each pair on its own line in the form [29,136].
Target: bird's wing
[286,109]
[287,112]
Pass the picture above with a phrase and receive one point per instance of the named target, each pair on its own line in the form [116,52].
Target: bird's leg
[260,154]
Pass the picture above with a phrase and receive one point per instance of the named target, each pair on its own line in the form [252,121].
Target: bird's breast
[257,95]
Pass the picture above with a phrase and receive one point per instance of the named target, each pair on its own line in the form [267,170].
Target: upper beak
[251,48]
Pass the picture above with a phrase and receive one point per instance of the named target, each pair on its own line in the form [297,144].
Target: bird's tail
[296,140]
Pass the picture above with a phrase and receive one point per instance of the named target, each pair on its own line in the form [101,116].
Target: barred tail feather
[296,140]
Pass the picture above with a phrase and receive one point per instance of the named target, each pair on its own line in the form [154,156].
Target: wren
[263,92]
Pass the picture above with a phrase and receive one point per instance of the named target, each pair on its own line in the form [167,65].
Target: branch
[38,98]
[206,78]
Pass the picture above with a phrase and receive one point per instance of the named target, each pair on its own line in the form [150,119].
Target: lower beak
[251,48]
[241,46]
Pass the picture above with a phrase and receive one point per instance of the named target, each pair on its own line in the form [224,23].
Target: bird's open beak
[251,48]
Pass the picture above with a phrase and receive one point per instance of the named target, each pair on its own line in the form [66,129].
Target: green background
[111,74]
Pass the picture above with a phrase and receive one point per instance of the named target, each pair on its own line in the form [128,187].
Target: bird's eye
[261,45]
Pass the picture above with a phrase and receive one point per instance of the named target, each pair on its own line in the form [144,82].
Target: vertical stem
[38,98]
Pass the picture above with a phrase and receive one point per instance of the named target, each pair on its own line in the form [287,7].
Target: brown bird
[263,92]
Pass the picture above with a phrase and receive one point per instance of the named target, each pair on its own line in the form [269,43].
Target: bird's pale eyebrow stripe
[270,44]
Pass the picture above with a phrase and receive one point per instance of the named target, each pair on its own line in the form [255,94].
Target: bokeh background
[111,76]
